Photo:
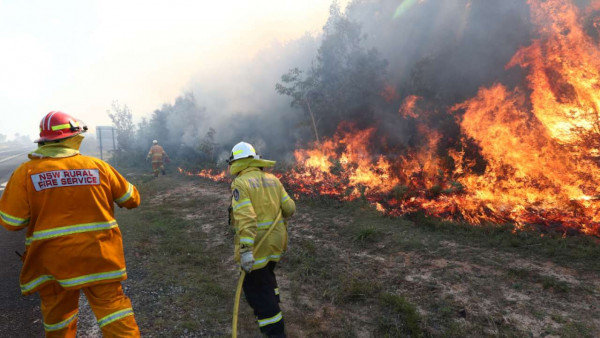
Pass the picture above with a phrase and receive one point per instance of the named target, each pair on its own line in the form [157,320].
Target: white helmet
[242,150]
[155,142]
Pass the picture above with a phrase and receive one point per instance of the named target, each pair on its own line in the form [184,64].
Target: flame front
[217,176]
[541,149]
[540,143]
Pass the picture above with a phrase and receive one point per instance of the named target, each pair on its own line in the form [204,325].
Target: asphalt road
[19,316]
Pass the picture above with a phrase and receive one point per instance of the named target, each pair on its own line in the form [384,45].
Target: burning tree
[344,82]
[539,145]
[525,153]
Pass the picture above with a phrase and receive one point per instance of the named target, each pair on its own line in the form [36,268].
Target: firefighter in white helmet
[258,198]
[158,155]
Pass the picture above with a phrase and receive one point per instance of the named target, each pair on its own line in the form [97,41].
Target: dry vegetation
[351,272]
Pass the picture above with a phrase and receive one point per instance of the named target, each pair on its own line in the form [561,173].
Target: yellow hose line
[238,291]
[236,304]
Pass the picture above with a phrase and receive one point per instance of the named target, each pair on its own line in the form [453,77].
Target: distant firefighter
[66,202]
[158,155]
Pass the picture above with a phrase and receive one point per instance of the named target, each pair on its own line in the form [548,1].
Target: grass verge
[351,272]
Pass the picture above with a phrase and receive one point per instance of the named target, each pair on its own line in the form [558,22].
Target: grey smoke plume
[241,103]
[445,49]
[440,50]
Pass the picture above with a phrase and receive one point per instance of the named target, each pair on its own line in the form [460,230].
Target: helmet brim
[59,137]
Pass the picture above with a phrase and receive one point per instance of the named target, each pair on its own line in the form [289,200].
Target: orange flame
[407,109]
[542,150]
[389,93]
[217,176]
[541,144]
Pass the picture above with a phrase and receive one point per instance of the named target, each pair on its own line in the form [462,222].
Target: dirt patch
[192,191]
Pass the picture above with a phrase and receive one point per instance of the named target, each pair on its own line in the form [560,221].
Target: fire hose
[238,291]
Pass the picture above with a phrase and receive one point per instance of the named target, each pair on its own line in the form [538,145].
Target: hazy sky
[79,56]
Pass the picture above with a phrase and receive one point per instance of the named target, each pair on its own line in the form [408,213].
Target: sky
[80,56]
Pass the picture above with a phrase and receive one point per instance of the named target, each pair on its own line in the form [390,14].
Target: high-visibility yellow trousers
[111,307]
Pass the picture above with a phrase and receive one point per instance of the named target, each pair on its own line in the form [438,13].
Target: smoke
[441,51]
[445,50]
[242,105]
[16,140]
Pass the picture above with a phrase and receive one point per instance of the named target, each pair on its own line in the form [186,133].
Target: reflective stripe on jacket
[257,199]
[67,206]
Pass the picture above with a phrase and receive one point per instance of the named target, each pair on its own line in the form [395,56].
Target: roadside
[19,316]
[352,272]
[10,158]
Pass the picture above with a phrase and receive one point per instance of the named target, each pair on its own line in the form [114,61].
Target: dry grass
[351,272]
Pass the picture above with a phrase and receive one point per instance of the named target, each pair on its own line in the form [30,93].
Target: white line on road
[11,157]
[3,186]
[11,149]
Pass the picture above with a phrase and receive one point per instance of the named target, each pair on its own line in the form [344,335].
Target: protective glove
[247,261]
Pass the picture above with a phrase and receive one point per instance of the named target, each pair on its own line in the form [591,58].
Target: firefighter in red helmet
[66,202]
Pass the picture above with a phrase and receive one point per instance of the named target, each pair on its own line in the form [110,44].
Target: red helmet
[57,125]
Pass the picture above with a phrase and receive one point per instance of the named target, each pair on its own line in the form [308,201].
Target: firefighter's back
[71,221]
[265,194]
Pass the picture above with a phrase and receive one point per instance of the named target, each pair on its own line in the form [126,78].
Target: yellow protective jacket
[67,205]
[157,153]
[257,199]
